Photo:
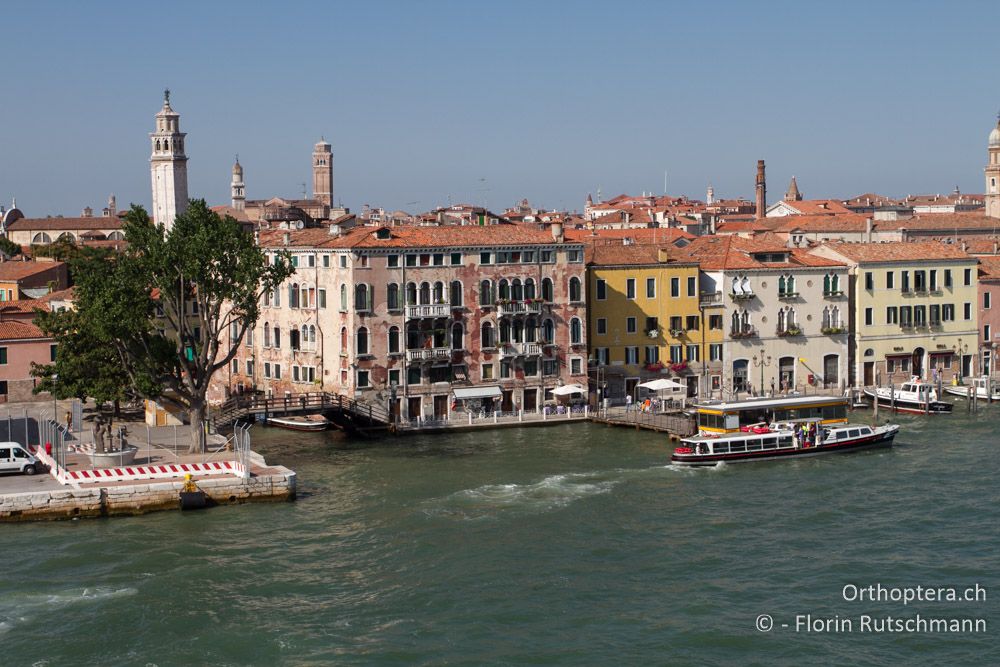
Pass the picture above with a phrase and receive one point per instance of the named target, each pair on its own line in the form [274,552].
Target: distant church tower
[760,191]
[239,195]
[993,173]
[710,195]
[168,166]
[793,193]
[323,172]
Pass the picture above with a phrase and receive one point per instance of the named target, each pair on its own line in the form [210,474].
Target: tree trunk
[196,417]
[118,409]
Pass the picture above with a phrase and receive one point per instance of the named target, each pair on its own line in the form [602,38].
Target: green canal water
[567,545]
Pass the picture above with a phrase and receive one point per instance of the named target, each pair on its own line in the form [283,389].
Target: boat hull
[298,424]
[912,407]
[868,442]
[963,392]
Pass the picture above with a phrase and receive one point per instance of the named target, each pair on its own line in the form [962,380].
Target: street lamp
[761,364]
[55,420]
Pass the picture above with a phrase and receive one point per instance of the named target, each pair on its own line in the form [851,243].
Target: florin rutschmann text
[874,623]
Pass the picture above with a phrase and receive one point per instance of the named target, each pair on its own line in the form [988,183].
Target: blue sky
[491,102]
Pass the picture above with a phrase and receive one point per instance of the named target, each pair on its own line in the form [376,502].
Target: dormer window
[383,234]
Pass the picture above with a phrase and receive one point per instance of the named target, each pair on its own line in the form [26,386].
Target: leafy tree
[87,365]
[8,247]
[166,302]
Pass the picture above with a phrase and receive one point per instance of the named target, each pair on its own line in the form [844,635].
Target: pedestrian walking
[628,403]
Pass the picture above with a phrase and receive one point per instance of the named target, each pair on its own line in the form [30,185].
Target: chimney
[557,232]
[87,212]
[334,230]
[868,230]
[662,255]
[761,190]
[965,246]
[996,248]
[286,238]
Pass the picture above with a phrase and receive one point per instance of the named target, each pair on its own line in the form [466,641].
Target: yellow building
[646,319]
[914,310]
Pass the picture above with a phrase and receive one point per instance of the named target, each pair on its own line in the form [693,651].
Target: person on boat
[812,433]
[797,434]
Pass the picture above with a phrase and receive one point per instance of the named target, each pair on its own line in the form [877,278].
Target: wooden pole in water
[969,396]
[876,403]
[892,396]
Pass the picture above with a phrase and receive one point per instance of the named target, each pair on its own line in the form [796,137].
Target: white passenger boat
[915,396]
[776,428]
[979,388]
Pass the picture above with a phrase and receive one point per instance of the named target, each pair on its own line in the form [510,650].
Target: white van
[15,458]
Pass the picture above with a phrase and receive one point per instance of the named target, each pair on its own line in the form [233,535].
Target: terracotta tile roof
[837,222]
[16,330]
[981,246]
[67,294]
[818,206]
[634,254]
[735,252]
[897,252]
[452,236]
[18,270]
[989,268]
[59,224]
[23,306]
[943,222]
[640,234]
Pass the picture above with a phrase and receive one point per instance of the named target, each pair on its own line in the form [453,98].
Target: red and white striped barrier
[165,471]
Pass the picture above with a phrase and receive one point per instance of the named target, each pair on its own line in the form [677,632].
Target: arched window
[516,290]
[781,284]
[575,293]
[517,330]
[530,330]
[455,292]
[412,336]
[293,295]
[736,322]
[826,317]
[781,319]
[869,352]
[548,332]
[503,291]
[304,301]
[827,284]
[393,340]
[457,337]
[835,282]
[439,292]
[304,337]
[487,338]
[547,290]
[440,337]
[343,340]
[411,294]
[392,296]
[361,297]
[277,337]
[485,293]
[267,334]
[343,297]
[505,330]
[575,331]
[835,316]
[116,236]
[529,288]
[41,237]
[791,319]
[745,320]
[362,340]
[157,144]
[425,293]
[166,144]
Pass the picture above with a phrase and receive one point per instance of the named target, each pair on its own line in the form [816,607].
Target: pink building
[417,317]
[20,344]
[989,313]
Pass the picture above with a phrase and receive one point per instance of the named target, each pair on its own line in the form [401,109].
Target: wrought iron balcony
[520,349]
[519,308]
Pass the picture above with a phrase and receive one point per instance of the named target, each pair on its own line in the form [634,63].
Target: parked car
[15,458]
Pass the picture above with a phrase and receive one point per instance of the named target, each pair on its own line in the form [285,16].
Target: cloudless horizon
[438,102]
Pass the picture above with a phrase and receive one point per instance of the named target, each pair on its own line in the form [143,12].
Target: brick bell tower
[760,190]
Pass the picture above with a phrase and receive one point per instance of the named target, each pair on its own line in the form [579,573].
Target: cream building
[784,314]
[913,310]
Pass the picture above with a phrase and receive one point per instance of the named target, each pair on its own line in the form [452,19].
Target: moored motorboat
[300,423]
[914,396]
[776,428]
[980,389]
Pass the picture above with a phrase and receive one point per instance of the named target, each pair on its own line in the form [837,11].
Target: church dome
[995,136]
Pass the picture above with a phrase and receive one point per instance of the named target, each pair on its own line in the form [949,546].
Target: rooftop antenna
[303,190]
[664,181]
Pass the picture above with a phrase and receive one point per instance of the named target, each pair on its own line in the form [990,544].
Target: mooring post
[892,396]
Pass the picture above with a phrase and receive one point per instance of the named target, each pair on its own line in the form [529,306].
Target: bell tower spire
[168,166]
[238,190]
[993,172]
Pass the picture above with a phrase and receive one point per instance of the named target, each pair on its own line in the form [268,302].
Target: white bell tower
[168,166]
[239,198]
[993,173]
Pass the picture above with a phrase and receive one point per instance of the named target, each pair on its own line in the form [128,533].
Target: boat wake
[550,493]
[17,609]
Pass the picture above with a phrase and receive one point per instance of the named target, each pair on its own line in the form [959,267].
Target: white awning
[567,389]
[464,393]
[662,383]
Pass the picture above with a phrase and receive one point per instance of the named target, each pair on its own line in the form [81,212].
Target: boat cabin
[846,433]
[718,417]
[923,389]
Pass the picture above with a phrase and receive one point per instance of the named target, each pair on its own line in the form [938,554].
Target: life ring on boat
[761,429]
[683,450]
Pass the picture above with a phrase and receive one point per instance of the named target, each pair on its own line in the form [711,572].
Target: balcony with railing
[710,299]
[790,330]
[745,294]
[743,332]
[428,310]
[520,349]
[519,307]
[428,354]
